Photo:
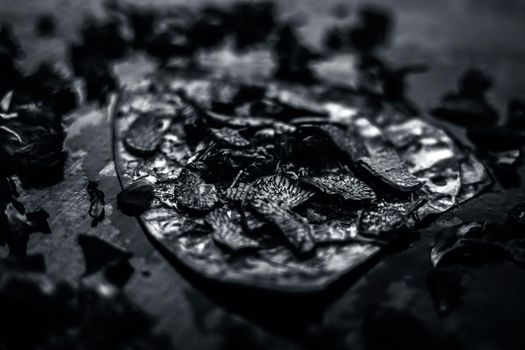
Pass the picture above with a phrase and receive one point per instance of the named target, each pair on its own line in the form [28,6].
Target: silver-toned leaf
[193,193]
[227,230]
[294,227]
[280,190]
[343,185]
[145,134]
[387,167]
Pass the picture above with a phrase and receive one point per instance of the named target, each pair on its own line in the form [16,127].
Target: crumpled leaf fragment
[136,198]
[226,163]
[366,148]
[346,141]
[294,227]
[96,208]
[34,149]
[100,255]
[384,218]
[468,105]
[478,242]
[18,225]
[227,230]
[279,189]
[342,185]
[49,86]
[145,134]
[193,193]
[387,167]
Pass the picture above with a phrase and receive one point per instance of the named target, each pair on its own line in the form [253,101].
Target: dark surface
[387,305]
